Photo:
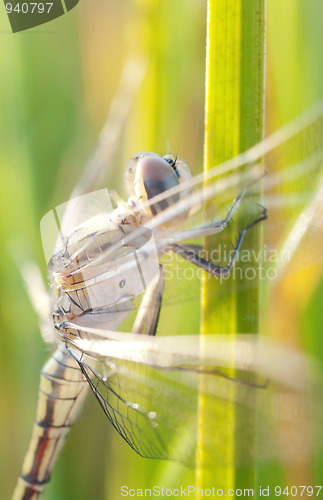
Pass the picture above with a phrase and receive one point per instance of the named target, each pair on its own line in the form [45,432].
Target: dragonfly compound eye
[154,175]
[131,170]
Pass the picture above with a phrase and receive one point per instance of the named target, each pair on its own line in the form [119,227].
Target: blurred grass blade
[100,161]
[233,123]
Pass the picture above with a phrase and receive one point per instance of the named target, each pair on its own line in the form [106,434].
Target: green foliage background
[57,81]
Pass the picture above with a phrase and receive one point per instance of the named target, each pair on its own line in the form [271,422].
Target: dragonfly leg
[213,228]
[148,313]
[189,253]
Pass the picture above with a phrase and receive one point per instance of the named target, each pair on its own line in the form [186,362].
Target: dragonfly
[105,261]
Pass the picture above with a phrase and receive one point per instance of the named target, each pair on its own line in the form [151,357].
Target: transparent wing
[150,389]
[101,159]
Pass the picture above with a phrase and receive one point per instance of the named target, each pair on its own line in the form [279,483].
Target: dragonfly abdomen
[61,395]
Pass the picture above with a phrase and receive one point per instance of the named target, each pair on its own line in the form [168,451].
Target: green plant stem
[233,123]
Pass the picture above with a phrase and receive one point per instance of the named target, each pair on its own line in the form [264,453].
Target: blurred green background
[57,82]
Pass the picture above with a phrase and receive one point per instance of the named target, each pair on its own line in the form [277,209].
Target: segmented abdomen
[61,395]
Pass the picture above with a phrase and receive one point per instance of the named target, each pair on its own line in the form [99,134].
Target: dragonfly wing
[145,417]
[151,389]
[100,162]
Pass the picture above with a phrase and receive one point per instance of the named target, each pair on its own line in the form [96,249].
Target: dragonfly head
[149,175]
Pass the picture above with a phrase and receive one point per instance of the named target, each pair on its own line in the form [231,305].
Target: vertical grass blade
[233,123]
